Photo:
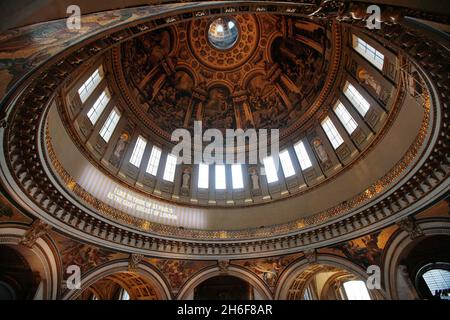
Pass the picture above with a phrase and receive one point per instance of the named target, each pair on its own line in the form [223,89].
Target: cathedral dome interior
[117,122]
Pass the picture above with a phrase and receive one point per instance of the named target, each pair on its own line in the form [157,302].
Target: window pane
[153,162]
[286,164]
[169,170]
[203,176]
[368,52]
[332,133]
[437,279]
[356,99]
[110,124]
[236,172]
[307,294]
[302,155]
[90,84]
[138,152]
[98,107]
[271,171]
[124,295]
[221,182]
[356,290]
[345,117]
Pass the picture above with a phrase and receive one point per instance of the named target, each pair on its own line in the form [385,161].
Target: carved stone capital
[134,261]
[409,225]
[223,265]
[37,230]
[311,255]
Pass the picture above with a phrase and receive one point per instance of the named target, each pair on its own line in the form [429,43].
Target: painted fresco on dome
[177,272]
[218,110]
[10,213]
[269,269]
[266,104]
[364,251]
[83,255]
[177,78]
[144,54]
[25,48]
[304,68]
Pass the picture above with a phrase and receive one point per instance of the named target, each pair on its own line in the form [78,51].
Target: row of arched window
[270,167]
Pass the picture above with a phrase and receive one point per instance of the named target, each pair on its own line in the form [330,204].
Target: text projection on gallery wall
[136,204]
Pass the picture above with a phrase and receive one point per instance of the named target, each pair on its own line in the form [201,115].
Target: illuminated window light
[270,168]
[356,290]
[153,162]
[236,173]
[286,164]
[221,182]
[372,55]
[110,124]
[99,105]
[90,84]
[302,155]
[138,151]
[356,99]
[203,176]
[332,133]
[345,117]
[169,170]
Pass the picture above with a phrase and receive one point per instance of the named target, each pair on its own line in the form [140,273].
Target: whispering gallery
[352,204]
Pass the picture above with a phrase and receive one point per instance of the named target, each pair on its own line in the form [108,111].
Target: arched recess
[396,280]
[115,270]
[187,291]
[42,258]
[323,262]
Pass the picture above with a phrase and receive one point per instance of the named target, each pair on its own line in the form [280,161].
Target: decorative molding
[135,259]
[223,265]
[409,225]
[311,255]
[37,230]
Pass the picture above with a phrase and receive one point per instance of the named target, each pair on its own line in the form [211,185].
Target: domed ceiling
[262,70]
[265,79]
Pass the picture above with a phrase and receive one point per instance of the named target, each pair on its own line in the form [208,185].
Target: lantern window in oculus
[223,33]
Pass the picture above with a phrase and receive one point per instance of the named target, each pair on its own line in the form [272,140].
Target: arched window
[124,295]
[356,290]
[438,282]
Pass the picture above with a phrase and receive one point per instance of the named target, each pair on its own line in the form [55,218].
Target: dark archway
[17,280]
[224,288]
[427,254]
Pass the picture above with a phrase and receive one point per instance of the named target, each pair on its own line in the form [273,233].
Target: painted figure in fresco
[255,179]
[119,149]
[366,255]
[366,78]
[175,271]
[300,66]
[84,256]
[268,269]
[172,101]
[186,178]
[267,109]
[218,111]
[320,150]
